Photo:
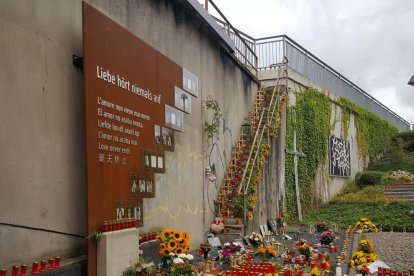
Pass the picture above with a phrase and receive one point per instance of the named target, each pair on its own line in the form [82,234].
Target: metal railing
[271,50]
[245,52]
[261,53]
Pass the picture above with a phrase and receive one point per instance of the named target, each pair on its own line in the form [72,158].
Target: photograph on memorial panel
[174,118]
[142,186]
[182,100]
[157,135]
[156,161]
[147,160]
[339,157]
[131,209]
[190,82]
[168,139]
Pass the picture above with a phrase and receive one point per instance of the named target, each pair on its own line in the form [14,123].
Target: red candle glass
[3,272]
[15,271]
[35,268]
[23,270]
[57,262]
[51,264]
[42,266]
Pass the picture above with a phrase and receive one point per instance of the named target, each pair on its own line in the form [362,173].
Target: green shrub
[408,138]
[369,178]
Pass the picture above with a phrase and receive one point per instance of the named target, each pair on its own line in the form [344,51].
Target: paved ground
[396,249]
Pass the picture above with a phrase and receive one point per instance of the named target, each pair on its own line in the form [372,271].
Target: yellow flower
[178,251]
[172,245]
[250,215]
[164,252]
[165,234]
[177,235]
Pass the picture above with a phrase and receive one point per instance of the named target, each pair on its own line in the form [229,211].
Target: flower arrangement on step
[265,253]
[364,256]
[327,237]
[255,239]
[365,225]
[173,243]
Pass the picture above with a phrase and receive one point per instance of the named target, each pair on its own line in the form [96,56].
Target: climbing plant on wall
[374,133]
[310,117]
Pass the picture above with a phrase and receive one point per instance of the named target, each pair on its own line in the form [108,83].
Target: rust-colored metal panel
[127,85]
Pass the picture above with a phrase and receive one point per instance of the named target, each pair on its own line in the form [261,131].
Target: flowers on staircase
[327,237]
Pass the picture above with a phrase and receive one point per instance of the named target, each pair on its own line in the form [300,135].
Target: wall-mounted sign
[339,157]
[130,94]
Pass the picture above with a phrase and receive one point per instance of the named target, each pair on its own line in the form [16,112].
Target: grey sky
[371,42]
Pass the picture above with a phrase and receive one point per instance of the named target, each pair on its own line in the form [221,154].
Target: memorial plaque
[339,157]
[128,88]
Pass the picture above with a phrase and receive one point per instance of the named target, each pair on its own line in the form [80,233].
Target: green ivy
[310,117]
[374,133]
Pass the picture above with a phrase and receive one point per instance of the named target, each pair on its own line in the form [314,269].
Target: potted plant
[327,237]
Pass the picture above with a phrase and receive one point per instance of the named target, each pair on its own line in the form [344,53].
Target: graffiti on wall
[339,157]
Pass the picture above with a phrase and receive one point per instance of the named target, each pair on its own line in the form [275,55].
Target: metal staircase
[237,198]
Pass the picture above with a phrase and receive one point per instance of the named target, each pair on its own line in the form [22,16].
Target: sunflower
[162,246]
[181,242]
[164,252]
[165,234]
[187,249]
[178,251]
[177,235]
[172,245]
[186,236]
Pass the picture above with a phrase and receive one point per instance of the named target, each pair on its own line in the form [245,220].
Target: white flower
[256,239]
[178,261]
[172,254]
[226,244]
[182,256]
[190,257]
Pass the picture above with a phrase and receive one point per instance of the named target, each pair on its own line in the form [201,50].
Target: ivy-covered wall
[314,117]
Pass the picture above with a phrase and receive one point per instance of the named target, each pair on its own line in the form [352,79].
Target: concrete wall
[42,171]
[326,186]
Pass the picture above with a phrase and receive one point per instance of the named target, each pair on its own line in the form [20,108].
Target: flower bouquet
[182,266]
[255,239]
[173,243]
[327,237]
[365,225]
[265,253]
[304,248]
[364,256]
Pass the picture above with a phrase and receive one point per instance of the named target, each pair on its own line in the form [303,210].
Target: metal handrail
[232,30]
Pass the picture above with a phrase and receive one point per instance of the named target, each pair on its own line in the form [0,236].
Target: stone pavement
[396,249]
